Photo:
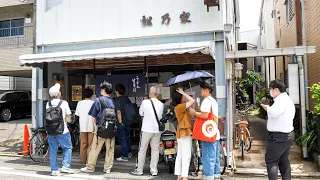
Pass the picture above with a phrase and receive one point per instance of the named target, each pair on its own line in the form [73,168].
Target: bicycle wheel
[242,148]
[247,140]
[38,147]
[223,157]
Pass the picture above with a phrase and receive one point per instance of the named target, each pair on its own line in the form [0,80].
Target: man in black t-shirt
[123,131]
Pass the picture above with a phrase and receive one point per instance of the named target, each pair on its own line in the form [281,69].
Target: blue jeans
[123,132]
[64,140]
[211,159]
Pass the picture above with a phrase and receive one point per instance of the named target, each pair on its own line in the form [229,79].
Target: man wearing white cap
[64,139]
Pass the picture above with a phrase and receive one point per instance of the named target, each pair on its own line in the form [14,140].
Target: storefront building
[82,43]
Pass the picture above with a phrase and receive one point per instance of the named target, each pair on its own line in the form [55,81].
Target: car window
[9,97]
[24,97]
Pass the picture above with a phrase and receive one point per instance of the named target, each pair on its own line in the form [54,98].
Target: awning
[205,47]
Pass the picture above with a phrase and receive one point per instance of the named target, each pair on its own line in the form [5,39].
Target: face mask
[271,93]
[101,92]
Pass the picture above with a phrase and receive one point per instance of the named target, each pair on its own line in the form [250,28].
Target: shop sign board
[134,83]
[123,19]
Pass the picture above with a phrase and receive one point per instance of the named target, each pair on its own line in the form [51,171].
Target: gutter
[305,57]
[305,77]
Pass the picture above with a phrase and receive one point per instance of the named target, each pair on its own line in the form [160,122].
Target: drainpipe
[305,57]
[237,14]
[302,103]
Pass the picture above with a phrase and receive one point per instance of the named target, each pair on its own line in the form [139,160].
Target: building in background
[266,39]
[16,38]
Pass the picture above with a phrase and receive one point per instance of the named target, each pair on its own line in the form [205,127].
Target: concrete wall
[83,20]
[12,47]
[4,3]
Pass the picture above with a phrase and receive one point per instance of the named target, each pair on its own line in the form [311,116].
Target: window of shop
[13,27]
[289,10]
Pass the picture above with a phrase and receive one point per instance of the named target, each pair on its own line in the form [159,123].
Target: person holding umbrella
[182,103]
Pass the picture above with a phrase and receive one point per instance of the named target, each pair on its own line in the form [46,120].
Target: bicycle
[223,154]
[243,136]
[38,145]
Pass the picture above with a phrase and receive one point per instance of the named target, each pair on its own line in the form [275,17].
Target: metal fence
[16,36]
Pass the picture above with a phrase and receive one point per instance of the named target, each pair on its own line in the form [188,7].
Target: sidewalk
[11,135]
[254,162]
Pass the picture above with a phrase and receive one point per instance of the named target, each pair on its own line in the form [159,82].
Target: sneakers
[86,170]
[136,172]
[154,173]
[108,171]
[122,159]
[67,170]
[55,173]
[129,155]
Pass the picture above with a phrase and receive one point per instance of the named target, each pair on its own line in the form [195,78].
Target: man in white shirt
[85,122]
[281,135]
[64,139]
[150,132]
[210,157]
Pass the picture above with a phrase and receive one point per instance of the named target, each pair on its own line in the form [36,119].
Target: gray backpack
[106,125]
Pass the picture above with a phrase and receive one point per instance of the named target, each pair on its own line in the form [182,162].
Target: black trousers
[277,155]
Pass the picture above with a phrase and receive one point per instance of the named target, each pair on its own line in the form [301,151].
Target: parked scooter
[169,148]
[168,143]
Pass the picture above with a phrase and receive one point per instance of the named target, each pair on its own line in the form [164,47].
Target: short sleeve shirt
[209,105]
[120,102]
[83,108]
[184,121]
[96,110]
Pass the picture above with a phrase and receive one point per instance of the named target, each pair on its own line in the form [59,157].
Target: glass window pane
[4,32]
[17,23]
[17,31]
[4,24]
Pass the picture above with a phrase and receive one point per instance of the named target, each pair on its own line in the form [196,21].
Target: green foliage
[259,95]
[315,89]
[310,138]
[253,78]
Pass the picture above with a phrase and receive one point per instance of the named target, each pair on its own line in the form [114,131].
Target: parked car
[14,104]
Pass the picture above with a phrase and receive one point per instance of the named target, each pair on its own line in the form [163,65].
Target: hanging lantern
[238,70]
[211,3]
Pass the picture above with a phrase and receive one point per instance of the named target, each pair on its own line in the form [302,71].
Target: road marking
[6,168]
[63,177]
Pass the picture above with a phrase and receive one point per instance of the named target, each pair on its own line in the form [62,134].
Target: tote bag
[206,129]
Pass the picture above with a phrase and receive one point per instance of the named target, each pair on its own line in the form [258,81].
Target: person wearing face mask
[96,112]
[280,127]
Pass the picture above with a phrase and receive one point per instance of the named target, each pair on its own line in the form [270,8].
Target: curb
[263,172]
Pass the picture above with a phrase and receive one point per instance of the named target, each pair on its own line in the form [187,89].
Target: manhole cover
[254,152]
[246,158]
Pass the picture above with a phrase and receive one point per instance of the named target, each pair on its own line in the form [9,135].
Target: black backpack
[106,125]
[54,120]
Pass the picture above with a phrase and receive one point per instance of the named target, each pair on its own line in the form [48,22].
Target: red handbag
[206,129]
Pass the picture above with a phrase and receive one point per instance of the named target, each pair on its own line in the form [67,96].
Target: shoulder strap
[102,103]
[154,110]
[61,101]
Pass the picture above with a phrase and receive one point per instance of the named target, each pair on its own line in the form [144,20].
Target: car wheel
[6,115]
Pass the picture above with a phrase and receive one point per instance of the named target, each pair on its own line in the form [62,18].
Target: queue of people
[100,119]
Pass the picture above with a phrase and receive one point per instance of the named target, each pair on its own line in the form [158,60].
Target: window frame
[11,28]
[24,93]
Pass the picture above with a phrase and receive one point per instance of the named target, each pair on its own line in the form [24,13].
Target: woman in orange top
[183,101]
